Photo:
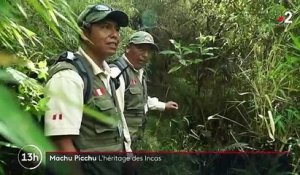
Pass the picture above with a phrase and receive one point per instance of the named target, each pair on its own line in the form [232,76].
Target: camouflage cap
[95,13]
[142,37]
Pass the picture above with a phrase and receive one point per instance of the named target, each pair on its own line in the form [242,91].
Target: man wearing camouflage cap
[70,129]
[132,90]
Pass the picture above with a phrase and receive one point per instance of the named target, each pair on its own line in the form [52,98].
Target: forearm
[154,104]
[64,143]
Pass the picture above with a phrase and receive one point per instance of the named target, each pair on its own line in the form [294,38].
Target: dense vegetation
[231,65]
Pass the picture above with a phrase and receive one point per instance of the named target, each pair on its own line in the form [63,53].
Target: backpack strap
[82,67]
[123,67]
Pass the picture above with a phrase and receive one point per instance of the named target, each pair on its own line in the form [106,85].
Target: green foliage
[17,126]
[244,82]
[191,54]
[13,32]
[231,67]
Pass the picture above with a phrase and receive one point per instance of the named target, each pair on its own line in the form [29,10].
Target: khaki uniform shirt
[65,105]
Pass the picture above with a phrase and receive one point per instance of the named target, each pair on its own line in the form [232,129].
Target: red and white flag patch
[101,91]
[54,116]
[133,81]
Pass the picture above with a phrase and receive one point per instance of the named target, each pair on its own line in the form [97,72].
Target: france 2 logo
[286,19]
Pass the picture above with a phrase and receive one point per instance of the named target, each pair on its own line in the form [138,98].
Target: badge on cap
[148,39]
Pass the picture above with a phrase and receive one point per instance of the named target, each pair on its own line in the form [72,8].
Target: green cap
[142,37]
[95,13]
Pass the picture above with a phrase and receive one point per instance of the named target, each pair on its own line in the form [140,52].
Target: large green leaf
[17,126]
[168,52]
[47,15]
[99,116]
[174,69]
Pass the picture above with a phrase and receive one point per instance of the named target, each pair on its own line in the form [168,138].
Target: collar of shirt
[140,71]
[96,69]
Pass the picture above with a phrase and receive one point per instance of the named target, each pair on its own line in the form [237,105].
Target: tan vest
[135,99]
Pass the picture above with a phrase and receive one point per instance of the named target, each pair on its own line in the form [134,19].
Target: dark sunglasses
[98,8]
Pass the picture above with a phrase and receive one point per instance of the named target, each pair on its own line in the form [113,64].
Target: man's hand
[64,143]
[171,105]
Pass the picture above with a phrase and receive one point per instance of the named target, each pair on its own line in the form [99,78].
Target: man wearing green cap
[132,90]
[70,129]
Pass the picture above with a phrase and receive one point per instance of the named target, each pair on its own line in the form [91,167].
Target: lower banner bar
[152,163]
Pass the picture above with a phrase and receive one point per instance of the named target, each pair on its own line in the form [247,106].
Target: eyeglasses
[98,8]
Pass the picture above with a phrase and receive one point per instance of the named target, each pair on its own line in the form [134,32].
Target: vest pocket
[134,99]
[135,90]
[109,115]
[104,104]
[106,133]
[104,128]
